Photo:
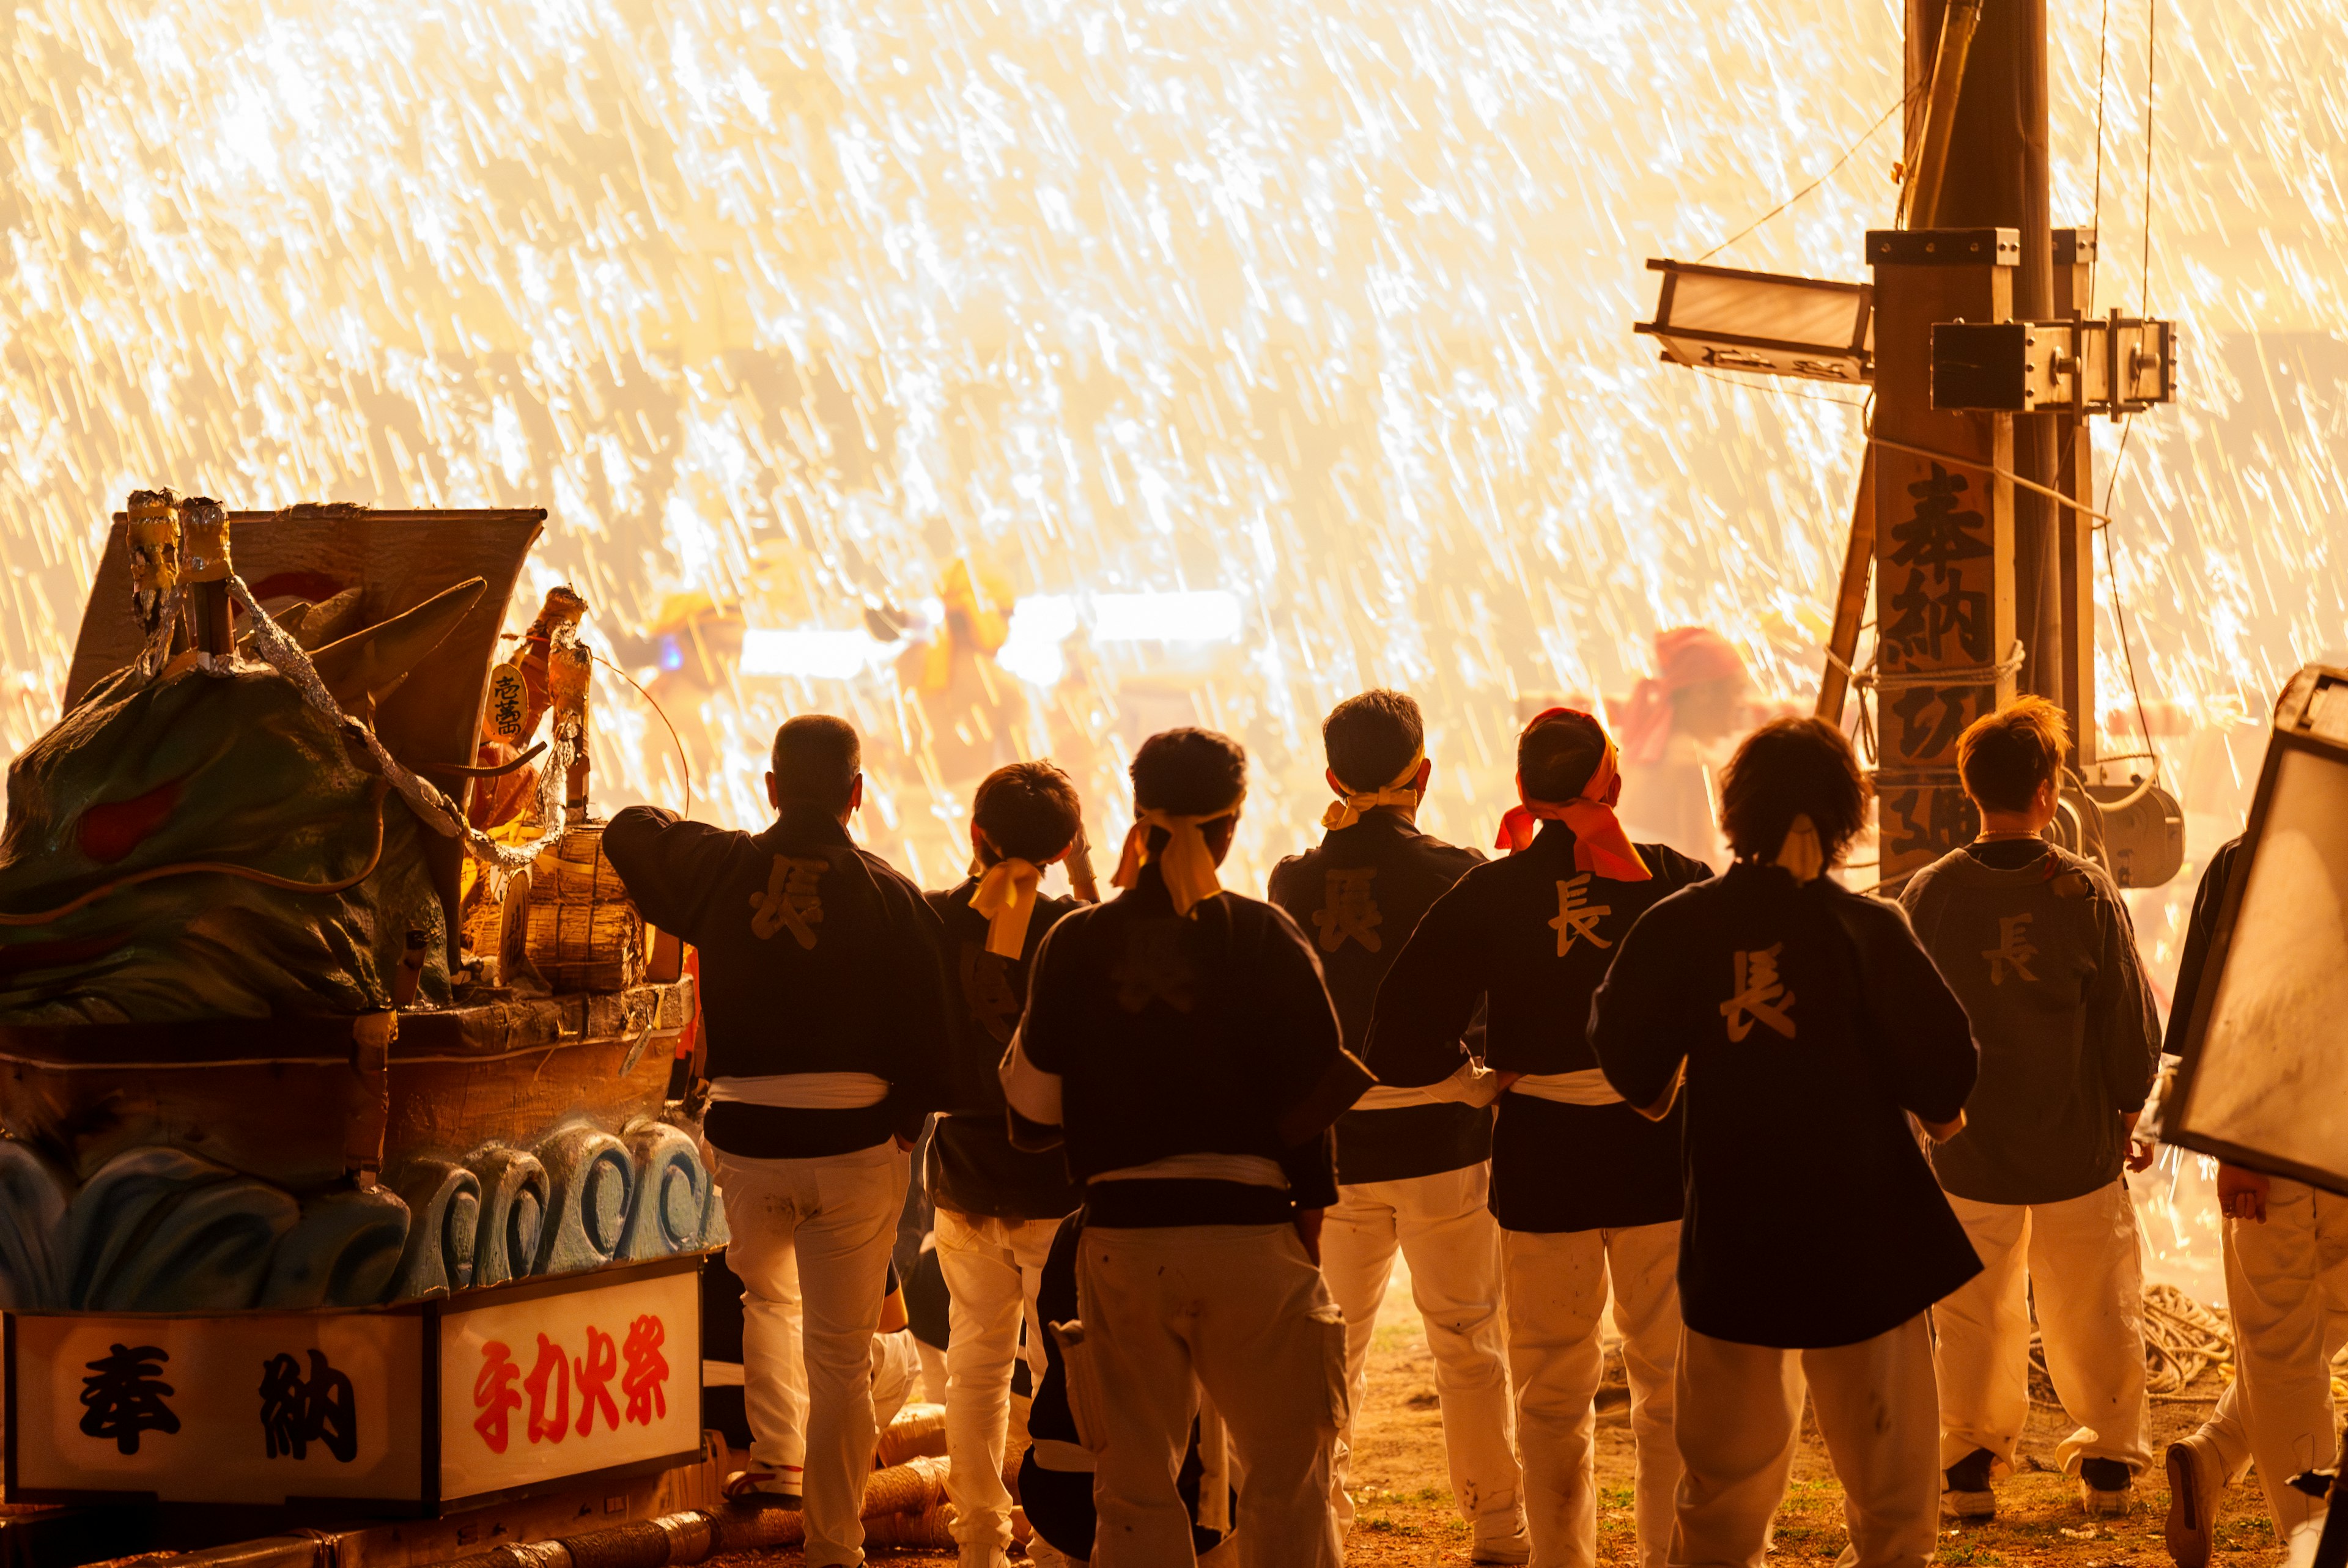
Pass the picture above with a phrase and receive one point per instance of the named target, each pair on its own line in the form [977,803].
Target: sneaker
[762,1489]
[1965,1494]
[1513,1549]
[2106,1487]
[2194,1483]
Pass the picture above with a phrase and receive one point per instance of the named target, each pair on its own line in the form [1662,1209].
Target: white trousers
[2079,1261]
[811,1241]
[1740,1416]
[2287,1287]
[1443,1228]
[1558,1287]
[1242,1309]
[991,1268]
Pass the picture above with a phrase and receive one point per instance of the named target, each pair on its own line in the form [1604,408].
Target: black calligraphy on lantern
[297,1411]
[123,1396]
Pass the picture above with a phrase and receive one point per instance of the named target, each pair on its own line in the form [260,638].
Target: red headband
[1600,844]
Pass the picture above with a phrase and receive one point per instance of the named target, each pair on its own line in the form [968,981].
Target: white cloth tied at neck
[1802,853]
[1587,1087]
[1358,804]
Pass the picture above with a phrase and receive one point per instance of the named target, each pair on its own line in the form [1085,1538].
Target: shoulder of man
[1929,876]
[1671,868]
[2077,876]
[1288,869]
[1455,859]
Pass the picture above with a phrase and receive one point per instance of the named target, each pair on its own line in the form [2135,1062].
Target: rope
[2095,212]
[2151,38]
[1956,675]
[221,867]
[1979,466]
[683,763]
[433,807]
[2182,1340]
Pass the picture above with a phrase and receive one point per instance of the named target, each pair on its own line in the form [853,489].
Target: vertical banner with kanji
[250,1407]
[1944,612]
[533,1384]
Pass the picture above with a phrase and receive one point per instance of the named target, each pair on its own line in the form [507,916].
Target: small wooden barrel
[583,932]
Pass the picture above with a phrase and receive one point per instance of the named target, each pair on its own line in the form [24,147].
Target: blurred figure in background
[1676,731]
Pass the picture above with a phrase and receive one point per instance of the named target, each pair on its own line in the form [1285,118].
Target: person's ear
[1336,785]
[1614,791]
[977,843]
[1426,771]
[1219,834]
[773,793]
[855,796]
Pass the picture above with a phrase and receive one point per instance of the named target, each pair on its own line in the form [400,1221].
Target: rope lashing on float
[431,805]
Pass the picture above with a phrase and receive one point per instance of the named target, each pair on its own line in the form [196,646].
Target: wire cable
[1864,137]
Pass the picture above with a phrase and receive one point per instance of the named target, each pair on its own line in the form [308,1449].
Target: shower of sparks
[1324,306]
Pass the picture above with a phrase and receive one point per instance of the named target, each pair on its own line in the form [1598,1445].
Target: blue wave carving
[158,1229]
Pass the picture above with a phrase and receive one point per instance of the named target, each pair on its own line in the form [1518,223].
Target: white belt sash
[1587,1087]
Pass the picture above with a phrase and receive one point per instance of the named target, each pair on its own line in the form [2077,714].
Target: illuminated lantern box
[426,1408]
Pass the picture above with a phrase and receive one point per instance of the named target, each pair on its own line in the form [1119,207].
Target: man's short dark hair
[1789,768]
[1557,756]
[2004,757]
[1028,811]
[1371,738]
[1188,772]
[817,758]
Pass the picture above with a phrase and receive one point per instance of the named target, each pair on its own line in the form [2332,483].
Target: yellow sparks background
[1325,305]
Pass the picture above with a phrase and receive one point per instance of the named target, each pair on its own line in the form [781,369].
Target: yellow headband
[1007,897]
[1357,803]
[1187,864]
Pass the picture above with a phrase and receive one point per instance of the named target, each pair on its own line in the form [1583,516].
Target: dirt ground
[1407,1519]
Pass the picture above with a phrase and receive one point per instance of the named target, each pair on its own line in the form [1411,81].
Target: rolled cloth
[1007,897]
[1600,844]
[1357,803]
[1186,863]
[1686,656]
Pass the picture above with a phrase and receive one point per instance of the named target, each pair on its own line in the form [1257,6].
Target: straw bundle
[584,934]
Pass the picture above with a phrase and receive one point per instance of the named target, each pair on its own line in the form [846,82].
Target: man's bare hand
[1308,1230]
[2140,1156]
[2241,1194]
[1941,1132]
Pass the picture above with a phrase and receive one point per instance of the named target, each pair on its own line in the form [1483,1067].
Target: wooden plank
[1850,596]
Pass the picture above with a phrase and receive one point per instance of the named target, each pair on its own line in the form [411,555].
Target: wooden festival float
[337,1174]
